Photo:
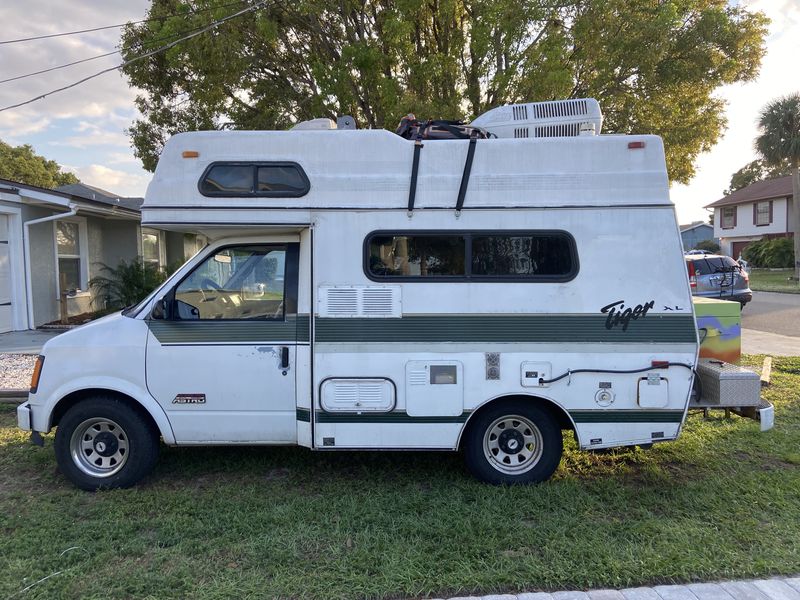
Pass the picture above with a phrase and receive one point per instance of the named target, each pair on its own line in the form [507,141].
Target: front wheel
[513,442]
[103,443]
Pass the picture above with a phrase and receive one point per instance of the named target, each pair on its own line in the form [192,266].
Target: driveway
[774,313]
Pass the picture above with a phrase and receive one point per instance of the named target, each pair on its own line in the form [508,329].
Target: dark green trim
[507,328]
[304,415]
[392,417]
[626,416]
[230,332]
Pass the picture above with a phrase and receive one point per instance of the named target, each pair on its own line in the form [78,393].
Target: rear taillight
[692,275]
[745,274]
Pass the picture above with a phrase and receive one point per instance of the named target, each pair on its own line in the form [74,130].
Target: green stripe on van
[626,416]
[506,328]
[304,415]
[390,417]
[230,332]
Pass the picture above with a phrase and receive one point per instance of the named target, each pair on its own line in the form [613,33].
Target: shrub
[770,254]
[127,283]
[709,245]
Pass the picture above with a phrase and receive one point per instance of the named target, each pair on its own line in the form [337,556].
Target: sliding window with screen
[530,256]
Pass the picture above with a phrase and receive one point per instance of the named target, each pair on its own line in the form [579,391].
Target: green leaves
[653,66]
[22,164]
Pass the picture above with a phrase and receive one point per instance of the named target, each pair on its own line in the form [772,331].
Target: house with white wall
[54,241]
[760,210]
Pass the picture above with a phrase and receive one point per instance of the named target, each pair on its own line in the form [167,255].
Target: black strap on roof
[412,192]
[462,190]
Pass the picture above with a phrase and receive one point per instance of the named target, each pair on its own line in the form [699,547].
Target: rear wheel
[513,442]
[104,443]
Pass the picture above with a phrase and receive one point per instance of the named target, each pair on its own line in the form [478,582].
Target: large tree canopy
[653,65]
[758,170]
[22,164]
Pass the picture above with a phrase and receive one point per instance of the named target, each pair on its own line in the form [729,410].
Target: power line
[96,56]
[54,35]
[140,57]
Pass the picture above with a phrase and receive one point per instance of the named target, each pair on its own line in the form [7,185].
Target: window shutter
[770,212]
[755,213]
[735,214]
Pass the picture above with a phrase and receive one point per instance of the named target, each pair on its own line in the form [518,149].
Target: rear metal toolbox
[727,385]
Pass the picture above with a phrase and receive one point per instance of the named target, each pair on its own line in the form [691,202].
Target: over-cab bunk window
[261,180]
[544,256]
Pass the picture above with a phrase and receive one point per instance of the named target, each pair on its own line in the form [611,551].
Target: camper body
[326,312]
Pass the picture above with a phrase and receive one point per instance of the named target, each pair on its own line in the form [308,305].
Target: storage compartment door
[434,388]
[653,392]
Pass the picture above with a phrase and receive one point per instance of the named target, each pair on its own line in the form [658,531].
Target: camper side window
[472,256]
[238,180]
[242,282]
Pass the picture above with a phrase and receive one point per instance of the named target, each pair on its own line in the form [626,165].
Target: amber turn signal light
[37,372]
[190,154]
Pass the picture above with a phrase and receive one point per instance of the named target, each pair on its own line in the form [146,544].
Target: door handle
[284,357]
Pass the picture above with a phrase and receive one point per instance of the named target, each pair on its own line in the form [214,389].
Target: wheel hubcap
[512,444]
[99,447]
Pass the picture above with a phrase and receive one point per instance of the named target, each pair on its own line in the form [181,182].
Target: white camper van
[361,291]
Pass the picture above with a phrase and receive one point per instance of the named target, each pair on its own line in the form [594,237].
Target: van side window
[241,282]
[272,180]
[543,255]
[471,256]
[417,256]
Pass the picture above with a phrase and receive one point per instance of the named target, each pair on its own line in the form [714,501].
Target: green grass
[723,501]
[766,280]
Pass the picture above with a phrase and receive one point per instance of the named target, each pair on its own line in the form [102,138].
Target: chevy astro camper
[361,291]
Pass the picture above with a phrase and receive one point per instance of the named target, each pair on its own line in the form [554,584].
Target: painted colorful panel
[719,324]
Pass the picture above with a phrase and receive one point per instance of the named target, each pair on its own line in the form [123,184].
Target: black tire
[118,447]
[529,463]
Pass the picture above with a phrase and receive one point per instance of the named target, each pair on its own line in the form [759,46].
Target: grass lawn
[723,501]
[765,280]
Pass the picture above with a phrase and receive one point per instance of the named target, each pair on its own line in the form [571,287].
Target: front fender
[43,412]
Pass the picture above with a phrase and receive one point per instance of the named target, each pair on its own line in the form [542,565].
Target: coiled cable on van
[654,365]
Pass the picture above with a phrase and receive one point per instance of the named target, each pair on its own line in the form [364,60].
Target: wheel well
[561,415]
[72,399]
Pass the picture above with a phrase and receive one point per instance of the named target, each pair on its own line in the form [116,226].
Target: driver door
[221,360]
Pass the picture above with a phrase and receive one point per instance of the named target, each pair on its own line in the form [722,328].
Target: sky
[83,129]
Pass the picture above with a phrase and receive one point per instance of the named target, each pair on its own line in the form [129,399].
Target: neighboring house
[54,240]
[760,210]
[696,232]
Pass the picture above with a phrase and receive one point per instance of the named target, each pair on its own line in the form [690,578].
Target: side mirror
[160,309]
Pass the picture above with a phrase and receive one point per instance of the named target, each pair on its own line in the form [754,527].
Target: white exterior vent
[357,395]
[559,118]
[377,301]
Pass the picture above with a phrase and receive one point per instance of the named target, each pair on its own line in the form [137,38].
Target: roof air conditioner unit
[557,118]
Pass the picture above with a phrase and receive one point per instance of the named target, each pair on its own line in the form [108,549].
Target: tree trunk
[796,218]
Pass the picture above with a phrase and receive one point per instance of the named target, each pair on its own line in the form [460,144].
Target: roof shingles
[760,190]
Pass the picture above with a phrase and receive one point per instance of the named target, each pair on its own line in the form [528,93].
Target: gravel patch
[15,371]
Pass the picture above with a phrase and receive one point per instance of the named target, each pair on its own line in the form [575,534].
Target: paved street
[774,313]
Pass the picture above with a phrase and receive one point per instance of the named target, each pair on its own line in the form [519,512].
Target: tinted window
[254,179]
[714,264]
[417,256]
[232,180]
[281,179]
[545,255]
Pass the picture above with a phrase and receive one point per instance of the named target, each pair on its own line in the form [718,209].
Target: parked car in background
[716,276]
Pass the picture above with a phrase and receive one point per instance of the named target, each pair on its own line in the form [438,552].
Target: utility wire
[95,57]
[140,57]
[54,35]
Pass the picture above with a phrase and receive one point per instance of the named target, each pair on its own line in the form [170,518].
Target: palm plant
[778,143]
[127,283]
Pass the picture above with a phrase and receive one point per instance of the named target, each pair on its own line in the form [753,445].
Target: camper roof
[371,169]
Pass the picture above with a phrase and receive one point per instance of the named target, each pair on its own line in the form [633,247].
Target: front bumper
[25,416]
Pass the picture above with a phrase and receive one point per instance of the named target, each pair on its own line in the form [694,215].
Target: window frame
[722,224]
[757,205]
[290,285]
[468,277]
[162,250]
[82,256]
[254,193]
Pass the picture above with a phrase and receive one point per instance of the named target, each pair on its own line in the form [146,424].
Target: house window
[763,214]
[152,247]
[71,253]
[729,217]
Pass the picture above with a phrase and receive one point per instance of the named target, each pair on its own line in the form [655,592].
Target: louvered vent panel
[418,377]
[357,395]
[561,130]
[379,301]
[566,108]
[521,132]
[520,112]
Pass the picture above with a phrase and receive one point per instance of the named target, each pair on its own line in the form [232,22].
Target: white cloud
[124,183]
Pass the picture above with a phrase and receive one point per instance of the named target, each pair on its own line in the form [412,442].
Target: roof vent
[558,118]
